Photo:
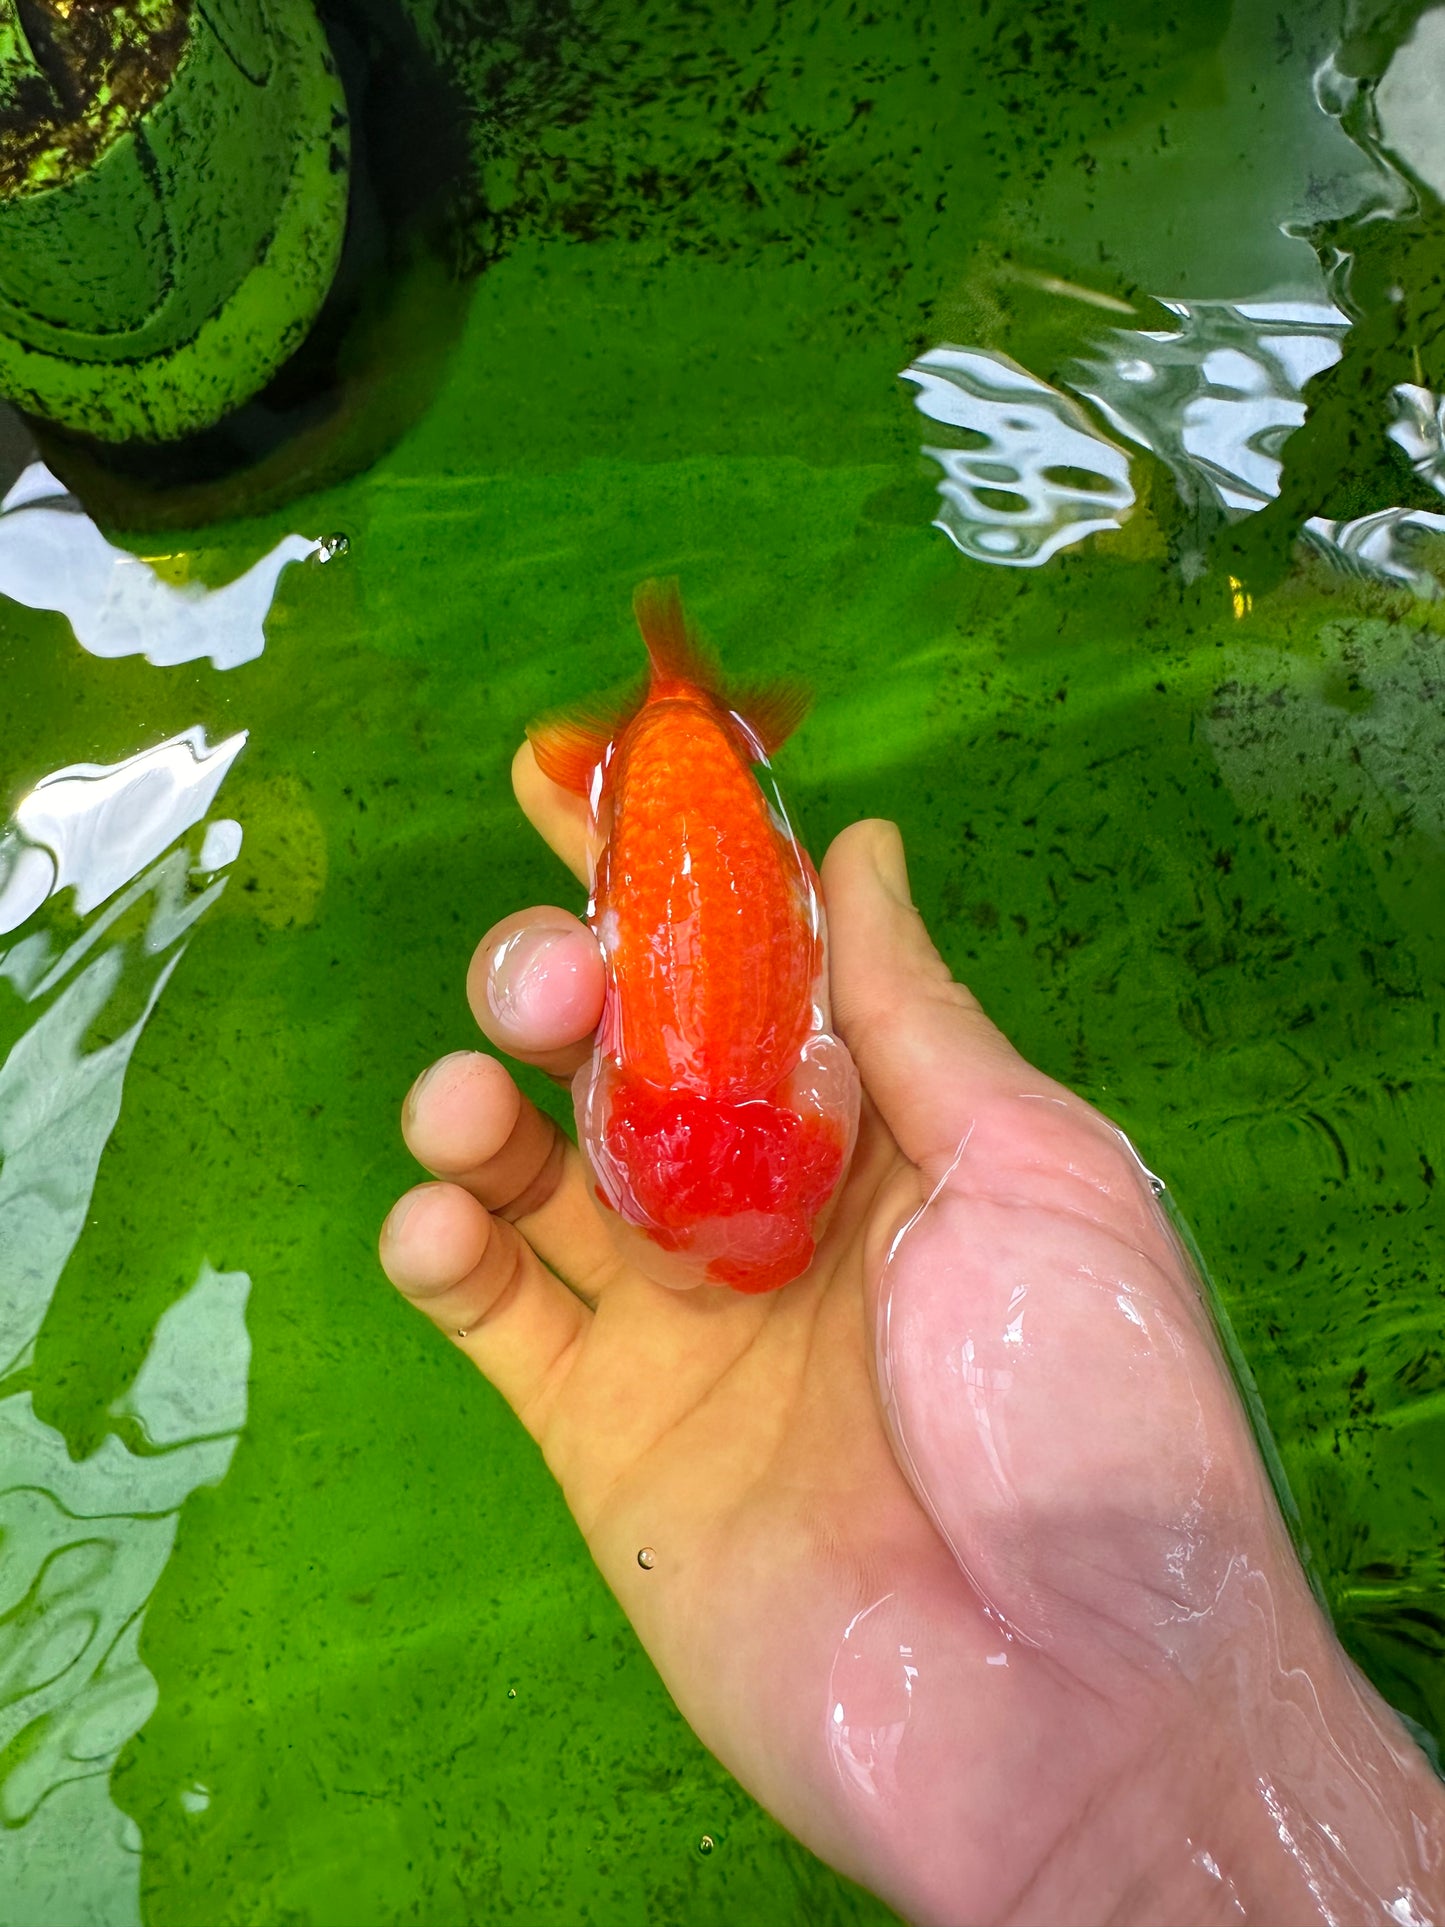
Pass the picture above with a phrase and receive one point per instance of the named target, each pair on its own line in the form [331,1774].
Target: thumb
[924,1049]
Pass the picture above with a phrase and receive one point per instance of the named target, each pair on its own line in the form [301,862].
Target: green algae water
[1056,389]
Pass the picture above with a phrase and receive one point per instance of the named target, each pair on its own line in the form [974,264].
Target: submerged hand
[961,1556]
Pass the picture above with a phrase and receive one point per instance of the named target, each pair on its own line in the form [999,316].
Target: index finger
[558,817]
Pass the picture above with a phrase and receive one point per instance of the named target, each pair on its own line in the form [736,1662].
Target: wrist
[1317,1805]
[1336,1814]
[1280,1789]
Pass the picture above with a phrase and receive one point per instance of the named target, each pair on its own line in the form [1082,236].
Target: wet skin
[964,1561]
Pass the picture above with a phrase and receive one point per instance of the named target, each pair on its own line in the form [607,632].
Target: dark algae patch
[1171,793]
[74,76]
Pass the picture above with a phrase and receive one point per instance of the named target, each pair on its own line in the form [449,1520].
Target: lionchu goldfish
[718,1110]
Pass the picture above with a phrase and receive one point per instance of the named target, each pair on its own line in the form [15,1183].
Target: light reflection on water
[1406,104]
[1039,475]
[1214,398]
[138,846]
[86,1542]
[92,827]
[52,556]
[1387,543]
[86,1545]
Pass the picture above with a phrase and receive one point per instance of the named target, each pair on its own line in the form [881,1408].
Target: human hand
[962,1558]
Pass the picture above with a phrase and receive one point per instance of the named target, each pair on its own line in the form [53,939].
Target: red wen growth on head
[718,1109]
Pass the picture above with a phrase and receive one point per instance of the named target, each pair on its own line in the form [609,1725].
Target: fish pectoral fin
[571,745]
[772,711]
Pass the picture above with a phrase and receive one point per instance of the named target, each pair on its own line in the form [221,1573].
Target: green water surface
[1174,801]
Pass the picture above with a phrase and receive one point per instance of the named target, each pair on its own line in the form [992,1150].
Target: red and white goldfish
[718,1111]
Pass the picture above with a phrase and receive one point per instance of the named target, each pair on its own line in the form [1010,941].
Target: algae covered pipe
[173,196]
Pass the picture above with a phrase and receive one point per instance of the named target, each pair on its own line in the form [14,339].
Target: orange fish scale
[715,955]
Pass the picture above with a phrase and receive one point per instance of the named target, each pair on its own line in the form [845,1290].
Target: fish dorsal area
[705,908]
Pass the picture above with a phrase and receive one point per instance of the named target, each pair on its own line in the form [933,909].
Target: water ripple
[143,855]
[86,1543]
[1214,399]
[1037,477]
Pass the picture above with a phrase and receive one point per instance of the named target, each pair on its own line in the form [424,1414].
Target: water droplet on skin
[647,1558]
[706,1844]
[332,546]
[871,1697]
[511,1692]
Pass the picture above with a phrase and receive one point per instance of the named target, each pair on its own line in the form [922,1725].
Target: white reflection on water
[100,824]
[58,1103]
[1419,431]
[139,845]
[86,1543]
[1389,542]
[1216,396]
[58,1106]
[1214,399]
[1039,476]
[1407,102]
[52,556]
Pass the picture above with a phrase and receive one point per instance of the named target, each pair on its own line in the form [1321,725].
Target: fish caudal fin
[673,648]
[772,711]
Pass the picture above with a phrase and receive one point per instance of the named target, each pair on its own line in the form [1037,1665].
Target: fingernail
[891,864]
[398,1216]
[413,1096]
[517,975]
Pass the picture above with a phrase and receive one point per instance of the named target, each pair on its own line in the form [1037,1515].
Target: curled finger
[467,1122]
[481,1284]
[536,986]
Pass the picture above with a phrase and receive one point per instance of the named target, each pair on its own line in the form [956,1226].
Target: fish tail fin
[772,711]
[673,648]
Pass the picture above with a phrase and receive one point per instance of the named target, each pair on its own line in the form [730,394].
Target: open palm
[942,1549]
